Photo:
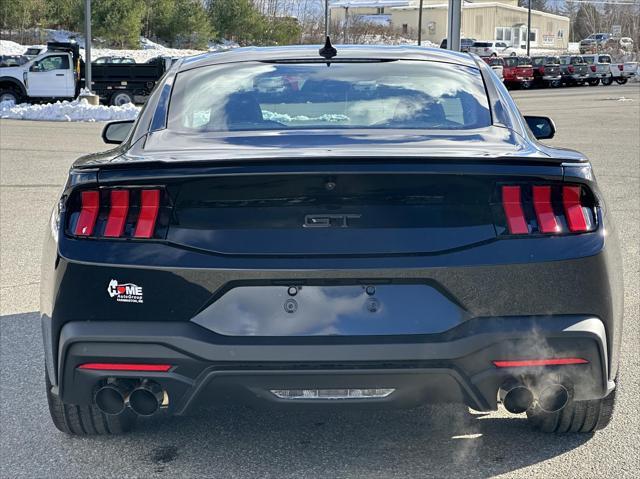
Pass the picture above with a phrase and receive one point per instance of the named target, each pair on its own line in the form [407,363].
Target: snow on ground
[7,47]
[76,110]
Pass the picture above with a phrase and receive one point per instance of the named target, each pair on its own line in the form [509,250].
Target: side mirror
[35,67]
[116,131]
[542,127]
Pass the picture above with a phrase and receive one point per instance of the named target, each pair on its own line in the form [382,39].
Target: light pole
[420,24]
[453,25]
[87,45]
[529,28]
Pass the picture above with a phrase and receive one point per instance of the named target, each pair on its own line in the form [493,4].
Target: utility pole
[453,25]
[87,45]
[529,29]
[420,24]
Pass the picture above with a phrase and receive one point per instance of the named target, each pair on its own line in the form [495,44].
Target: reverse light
[524,363]
[163,368]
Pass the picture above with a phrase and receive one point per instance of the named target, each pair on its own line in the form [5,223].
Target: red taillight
[524,363]
[571,68]
[545,209]
[90,206]
[149,205]
[117,214]
[163,368]
[541,70]
[571,199]
[547,222]
[593,68]
[620,67]
[513,210]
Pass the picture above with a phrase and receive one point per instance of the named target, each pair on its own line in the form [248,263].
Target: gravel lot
[603,122]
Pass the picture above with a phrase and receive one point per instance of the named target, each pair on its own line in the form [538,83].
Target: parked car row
[554,71]
[602,42]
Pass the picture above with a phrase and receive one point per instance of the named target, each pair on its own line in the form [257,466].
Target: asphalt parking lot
[603,122]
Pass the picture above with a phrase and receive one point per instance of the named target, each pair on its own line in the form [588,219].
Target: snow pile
[7,47]
[76,110]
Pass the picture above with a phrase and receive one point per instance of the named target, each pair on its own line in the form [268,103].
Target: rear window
[588,60]
[279,96]
[538,61]
[552,60]
[482,44]
[604,59]
[511,61]
[577,60]
[522,61]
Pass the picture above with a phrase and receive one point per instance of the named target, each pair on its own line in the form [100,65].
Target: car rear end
[483,49]
[298,265]
[434,282]
[599,66]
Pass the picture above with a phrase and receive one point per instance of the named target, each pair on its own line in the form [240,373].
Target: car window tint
[398,94]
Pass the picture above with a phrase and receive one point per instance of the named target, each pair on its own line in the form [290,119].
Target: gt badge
[125,292]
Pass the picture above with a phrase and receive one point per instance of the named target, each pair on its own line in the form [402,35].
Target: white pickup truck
[58,73]
[603,69]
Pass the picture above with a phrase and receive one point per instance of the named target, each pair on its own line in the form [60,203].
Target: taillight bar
[117,214]
[163,368]
[547,221]
[90,207]
[527,363]
[547,209]
[573,208]
[149,205]
[512,204]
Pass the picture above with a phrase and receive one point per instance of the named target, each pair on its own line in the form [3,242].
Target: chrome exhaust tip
[553,397]
[515,396]
[146,399]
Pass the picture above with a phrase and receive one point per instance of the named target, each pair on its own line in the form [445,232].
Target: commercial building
[501,20]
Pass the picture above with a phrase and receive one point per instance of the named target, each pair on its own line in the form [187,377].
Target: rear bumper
[455,366]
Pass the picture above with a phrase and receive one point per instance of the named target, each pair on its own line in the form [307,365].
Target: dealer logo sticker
[125,292]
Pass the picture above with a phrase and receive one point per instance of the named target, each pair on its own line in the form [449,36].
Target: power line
[606,2]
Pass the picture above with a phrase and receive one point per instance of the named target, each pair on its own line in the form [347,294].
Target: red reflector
[513,210]
[89,213]
[117,213]
[539,362]
[125,367]
[573,208]
[547,222]
[149,205]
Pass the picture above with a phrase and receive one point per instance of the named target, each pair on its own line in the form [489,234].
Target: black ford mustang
[379,226]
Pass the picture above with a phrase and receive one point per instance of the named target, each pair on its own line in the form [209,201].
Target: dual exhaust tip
[517,398]
[144,398]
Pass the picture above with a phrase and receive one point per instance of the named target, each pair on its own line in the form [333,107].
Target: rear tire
[594,82]
[576,417]
[621,81]
[121,98]
[607,81]
[86,420]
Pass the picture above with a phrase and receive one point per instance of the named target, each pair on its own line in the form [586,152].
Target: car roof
[310,52]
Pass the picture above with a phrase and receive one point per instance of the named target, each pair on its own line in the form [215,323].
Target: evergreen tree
[119,21]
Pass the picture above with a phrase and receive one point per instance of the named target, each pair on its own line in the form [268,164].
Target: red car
[518,72]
